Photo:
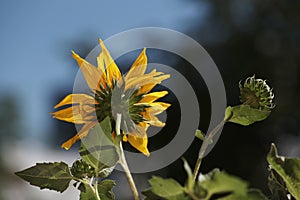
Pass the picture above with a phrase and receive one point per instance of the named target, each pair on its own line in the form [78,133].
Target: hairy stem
[96,187]
[206,143]
[123,161]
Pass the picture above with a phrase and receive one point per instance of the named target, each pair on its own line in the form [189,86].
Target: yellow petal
[75,114]
[152,78]
[76,99]
[91,74]
[138,68]
[151,97]
[112,70]
[153,120]
[163,105]
[155,109]
[82,133]
[140,143]
[101,68]
[139,140]
[147,82]
[125,139]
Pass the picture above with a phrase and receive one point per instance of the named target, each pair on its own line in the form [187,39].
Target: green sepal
[54,176]
[288,169]
[98,149]
[245,114]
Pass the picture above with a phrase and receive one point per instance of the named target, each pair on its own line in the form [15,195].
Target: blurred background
[260,37]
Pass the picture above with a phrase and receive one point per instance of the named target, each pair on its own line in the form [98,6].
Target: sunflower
[112,94]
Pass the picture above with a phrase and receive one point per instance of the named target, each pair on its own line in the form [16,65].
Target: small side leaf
[245,114]
[288,169]
[277,186]
[105,189]
[252,194]
[150,195]
[98,149]
[87,193]
[166,188]
[218,182]
[54,176]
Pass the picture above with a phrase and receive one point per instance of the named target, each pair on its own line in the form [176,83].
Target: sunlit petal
[139,140]
[145,80]
[75,114]
[112,70]
[82,133]
[138,68]
[151,112]
[91,74]
[76,99]
[151,97]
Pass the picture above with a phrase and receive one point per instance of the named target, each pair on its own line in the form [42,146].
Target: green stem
[123,162]
[206,143]
[191,194]
[96,187]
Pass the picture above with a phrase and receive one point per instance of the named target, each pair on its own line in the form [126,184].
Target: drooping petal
[140,144]
[76,114]
[151,97]
[82,133]
[151,112]
[138,68]
[91,74]
[76,99]
[139,140]
[163,105]
[112,70]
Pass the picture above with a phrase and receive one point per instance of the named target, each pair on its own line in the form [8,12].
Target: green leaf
[54,176]
[218,182]
[105,189]
[199,134]
[98,149]
[167,188]
[252,194]
[150,195]
[87,194]
[277,186]
[245,114]
[288,169]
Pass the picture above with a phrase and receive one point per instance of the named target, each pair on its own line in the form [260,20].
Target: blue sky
[37,36]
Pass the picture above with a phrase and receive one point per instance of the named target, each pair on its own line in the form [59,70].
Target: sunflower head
[113,94]
[256,93]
